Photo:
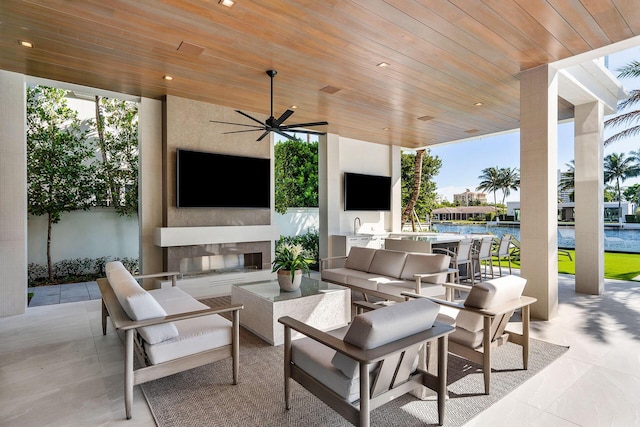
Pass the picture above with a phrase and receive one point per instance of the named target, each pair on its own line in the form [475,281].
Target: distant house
[461,212]
[469,198]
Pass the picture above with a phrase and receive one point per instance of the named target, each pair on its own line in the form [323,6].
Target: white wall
[297,221]
[83,234]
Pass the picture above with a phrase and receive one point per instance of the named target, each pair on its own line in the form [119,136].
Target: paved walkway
[69,292]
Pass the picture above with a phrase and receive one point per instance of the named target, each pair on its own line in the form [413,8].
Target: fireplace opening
[220,264]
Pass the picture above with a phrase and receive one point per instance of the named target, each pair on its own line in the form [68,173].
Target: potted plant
[290,263]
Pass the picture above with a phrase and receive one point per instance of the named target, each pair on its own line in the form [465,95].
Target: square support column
[538,188]
[329,190]
[589,197]
[13,194]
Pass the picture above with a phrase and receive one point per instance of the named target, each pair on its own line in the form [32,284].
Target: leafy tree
[418,171]
[618,168]
[509,180]
[627,118]
[491,180]
[59,173]
[567,180]
[631,193]
[116,124]
[296,174]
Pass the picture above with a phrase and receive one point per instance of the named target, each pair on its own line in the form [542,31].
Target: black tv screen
[366,192]
[210,180]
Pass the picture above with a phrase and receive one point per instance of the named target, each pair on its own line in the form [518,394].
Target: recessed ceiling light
[227,3]
[386,128]
[167,77]
[478,104]
[383,65]
[25,43]
[293,107]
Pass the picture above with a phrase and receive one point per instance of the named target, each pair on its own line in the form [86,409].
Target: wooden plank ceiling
[444,55]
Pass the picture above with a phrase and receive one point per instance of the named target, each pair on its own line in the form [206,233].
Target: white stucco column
[589,197]
[538,190]
[13,194]
[395,166]
[329,192]
[150,182]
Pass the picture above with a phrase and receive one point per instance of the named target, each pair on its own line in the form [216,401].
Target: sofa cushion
[388,263]
[194,336]
[139,304]
[368,280]
[337,275]
[399,286]
[382,326]
[359,258]
[489,294]
[426,263]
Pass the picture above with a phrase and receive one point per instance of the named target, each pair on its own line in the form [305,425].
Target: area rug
[205,396]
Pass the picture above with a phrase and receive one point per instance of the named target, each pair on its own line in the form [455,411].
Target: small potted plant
[290,263]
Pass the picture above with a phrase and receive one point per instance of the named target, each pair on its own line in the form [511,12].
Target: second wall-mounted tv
[366,192]
[211,180]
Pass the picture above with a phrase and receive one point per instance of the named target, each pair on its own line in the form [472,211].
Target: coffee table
[319,304]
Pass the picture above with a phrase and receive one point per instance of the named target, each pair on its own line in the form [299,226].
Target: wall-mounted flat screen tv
[210,180]
[366,192]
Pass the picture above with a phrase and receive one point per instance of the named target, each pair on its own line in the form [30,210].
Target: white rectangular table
[319,304]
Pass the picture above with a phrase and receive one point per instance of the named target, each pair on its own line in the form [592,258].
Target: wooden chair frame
[389,382]
[148,372]
[493,334]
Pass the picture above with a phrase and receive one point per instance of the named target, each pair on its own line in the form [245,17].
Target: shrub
[308,241]
[75,270]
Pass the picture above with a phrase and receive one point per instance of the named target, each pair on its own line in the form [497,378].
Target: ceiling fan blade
[249,117]
[310,132]
[242,131]
[289,137]
[237,124]
[283,117]
[304,125]
[266,132]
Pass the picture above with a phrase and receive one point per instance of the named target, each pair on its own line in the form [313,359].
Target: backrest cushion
[489,294]
[388,263]
[426,263]
[139,304]
[384,325]
[359,258]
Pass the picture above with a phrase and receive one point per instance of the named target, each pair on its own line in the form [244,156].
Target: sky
[463,162]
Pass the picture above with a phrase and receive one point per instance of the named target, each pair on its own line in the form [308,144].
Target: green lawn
[616,265]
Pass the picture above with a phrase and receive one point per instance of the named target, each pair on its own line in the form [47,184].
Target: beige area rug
[205,396]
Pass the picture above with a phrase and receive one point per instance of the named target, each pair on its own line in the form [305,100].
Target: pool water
[615,240]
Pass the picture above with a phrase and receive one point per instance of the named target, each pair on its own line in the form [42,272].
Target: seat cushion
[382,326]
[367,280]
[489,294]
[426,263]
[359,258]
[337,275]
[399,286]
[388,263]
[315,359]
[194,336]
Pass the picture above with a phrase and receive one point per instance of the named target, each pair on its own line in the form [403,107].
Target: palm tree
[632,69]
[618,168]
[509,180]
[568,180]
[490,181]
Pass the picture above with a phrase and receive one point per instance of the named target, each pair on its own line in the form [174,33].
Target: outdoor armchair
[359,368]
[483,317]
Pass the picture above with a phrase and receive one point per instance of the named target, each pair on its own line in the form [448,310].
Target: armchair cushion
[486,295]
[359,258]
[378,327]
[139,304]
[426,263]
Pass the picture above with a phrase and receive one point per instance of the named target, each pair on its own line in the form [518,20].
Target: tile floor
[57,369]
[59,294]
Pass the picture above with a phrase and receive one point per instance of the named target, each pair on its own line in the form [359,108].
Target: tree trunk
[111,190]
[49,266]
[417,180]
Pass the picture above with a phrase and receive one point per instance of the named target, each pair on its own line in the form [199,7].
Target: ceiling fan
[273,125]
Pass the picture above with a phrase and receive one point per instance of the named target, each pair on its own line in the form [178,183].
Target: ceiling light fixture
[293,107]
[25,43]
[383,65]
[167,77]
[386,128]
[227,3]
[478,104]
